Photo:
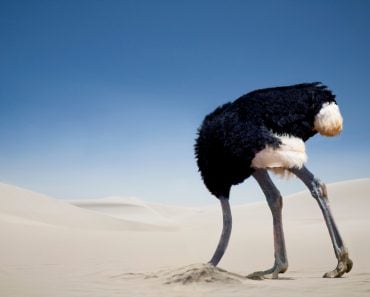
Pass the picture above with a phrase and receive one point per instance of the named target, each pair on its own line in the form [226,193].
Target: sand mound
[196,274]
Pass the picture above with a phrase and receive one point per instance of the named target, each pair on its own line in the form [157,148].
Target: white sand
[126,247]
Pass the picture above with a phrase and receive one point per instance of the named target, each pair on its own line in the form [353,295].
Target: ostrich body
[263,131]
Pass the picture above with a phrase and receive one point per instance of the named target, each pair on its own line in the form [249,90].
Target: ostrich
[263,131]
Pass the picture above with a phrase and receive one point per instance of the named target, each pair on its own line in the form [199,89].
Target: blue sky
[102,98]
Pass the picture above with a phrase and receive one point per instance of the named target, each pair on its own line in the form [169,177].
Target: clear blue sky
[103,98]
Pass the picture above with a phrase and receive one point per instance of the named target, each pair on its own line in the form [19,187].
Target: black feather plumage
[230,136]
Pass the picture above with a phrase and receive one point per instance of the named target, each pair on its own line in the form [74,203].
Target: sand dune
[127,247]
[27,207]
[134,209]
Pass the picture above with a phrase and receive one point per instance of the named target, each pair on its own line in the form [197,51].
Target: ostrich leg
[275,203]
[226,231]
[318,191]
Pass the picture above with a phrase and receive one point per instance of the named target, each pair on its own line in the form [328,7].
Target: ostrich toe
[274,272]
[345,265]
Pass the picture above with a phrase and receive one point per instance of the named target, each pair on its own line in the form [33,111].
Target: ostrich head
[328,120]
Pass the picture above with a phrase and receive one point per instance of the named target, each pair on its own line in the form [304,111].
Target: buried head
[329,121]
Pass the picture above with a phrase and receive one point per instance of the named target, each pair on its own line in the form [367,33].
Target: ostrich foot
[274,272]
[344,266]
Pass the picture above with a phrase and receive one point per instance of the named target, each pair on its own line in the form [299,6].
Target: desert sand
[126,247]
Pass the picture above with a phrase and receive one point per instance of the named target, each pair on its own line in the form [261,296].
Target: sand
[126,247]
